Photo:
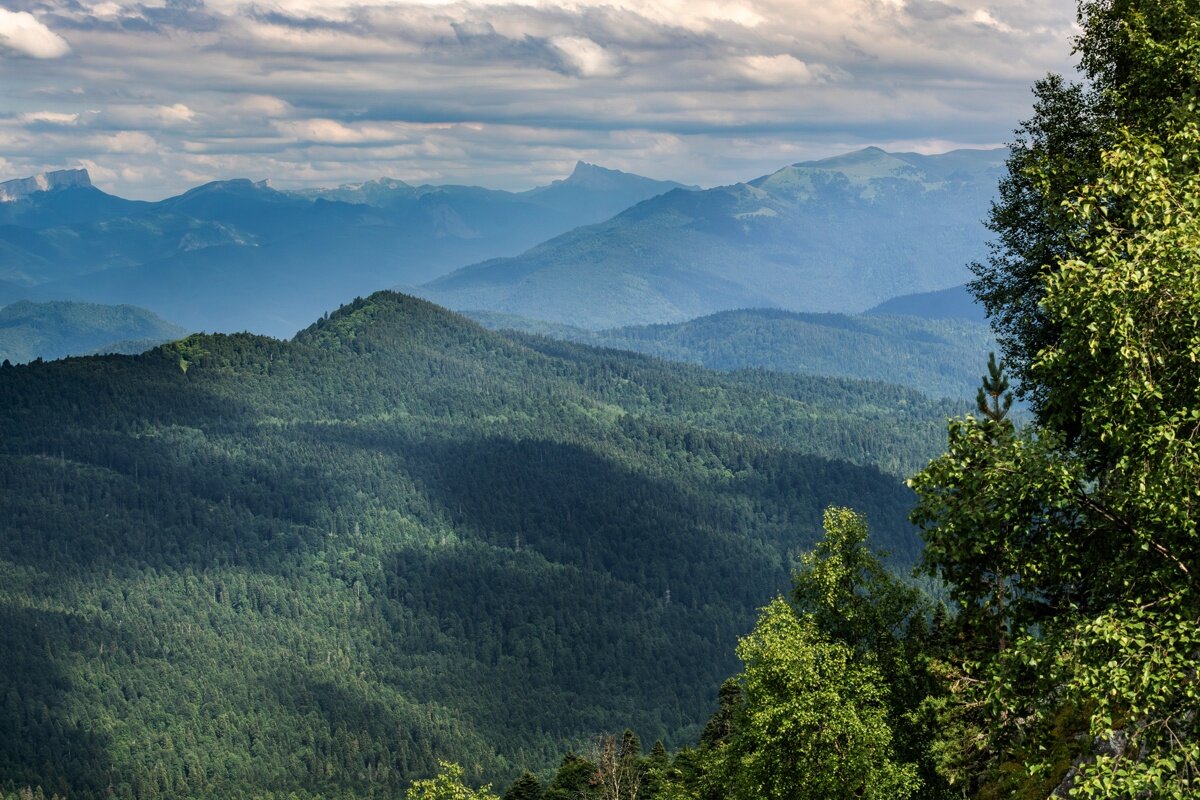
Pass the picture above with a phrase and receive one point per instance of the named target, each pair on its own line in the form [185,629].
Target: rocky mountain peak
[20,188]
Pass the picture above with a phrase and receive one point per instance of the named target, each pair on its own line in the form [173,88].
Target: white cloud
[326,131]
[781,69]
[507,92]
[262,105]
[126,142]
[175,114]
[21,33]
[49,117]
[983,16]
[585,57]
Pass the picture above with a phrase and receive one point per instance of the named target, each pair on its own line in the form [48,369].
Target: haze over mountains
[598,249]
[842,234]
[938,356]
[56,329]
[237,254]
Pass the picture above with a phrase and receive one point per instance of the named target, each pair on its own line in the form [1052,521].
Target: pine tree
[995,390]
[526,787]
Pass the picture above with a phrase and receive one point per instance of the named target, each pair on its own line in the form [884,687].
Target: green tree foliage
[814,722]
[1071,546]
[1054,150]
[574,780]
[526,787]
[826,681]
[994,399]
[855,599]
[447,785]
[319,566]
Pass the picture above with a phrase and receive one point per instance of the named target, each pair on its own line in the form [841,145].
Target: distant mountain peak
[237,185]
[21,188]
[597,178]
[866,155]
[383,182]
[594,176]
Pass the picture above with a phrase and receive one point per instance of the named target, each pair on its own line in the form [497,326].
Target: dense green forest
[236,565]
[57,329]
[940,357]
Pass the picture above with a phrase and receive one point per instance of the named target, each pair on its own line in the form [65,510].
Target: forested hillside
[940,357]
[56,329]
[237,566]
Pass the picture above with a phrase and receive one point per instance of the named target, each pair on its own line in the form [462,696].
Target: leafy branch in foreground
[1071,547]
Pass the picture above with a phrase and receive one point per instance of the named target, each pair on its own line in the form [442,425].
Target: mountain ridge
[59,329]
[838,235]
[238,254]
[391,540]
[939,357]
[19,188]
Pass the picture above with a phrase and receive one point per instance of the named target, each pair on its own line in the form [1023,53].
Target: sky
[153,98]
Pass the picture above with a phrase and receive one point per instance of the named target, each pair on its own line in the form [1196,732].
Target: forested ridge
[236,566]
[57,329]
[939,357]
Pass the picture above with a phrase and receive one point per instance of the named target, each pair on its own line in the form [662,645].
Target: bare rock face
[45,182]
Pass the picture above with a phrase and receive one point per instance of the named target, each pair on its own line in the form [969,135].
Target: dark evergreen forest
[236,566]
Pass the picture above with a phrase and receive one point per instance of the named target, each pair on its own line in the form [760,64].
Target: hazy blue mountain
[941,357]
[62,197]
[239,255]
[841,234]
[58,329]
[953,303]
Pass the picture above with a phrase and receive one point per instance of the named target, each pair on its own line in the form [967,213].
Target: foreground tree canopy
[1070,545]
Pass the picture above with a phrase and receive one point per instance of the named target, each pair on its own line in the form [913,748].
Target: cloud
[328,131]
[143,117]
[263,105]
[931,10]
[22,34]
[584,57]
[126,142]
[984,17]
[510,93]
[48,118]
[781,69]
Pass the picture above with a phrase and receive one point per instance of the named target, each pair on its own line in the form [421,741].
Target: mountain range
[239,255]
[837,235]
[599,249]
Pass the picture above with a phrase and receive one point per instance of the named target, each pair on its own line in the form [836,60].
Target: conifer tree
[526,787]
[994,399]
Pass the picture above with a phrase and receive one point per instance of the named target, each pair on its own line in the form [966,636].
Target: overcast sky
[155,97]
